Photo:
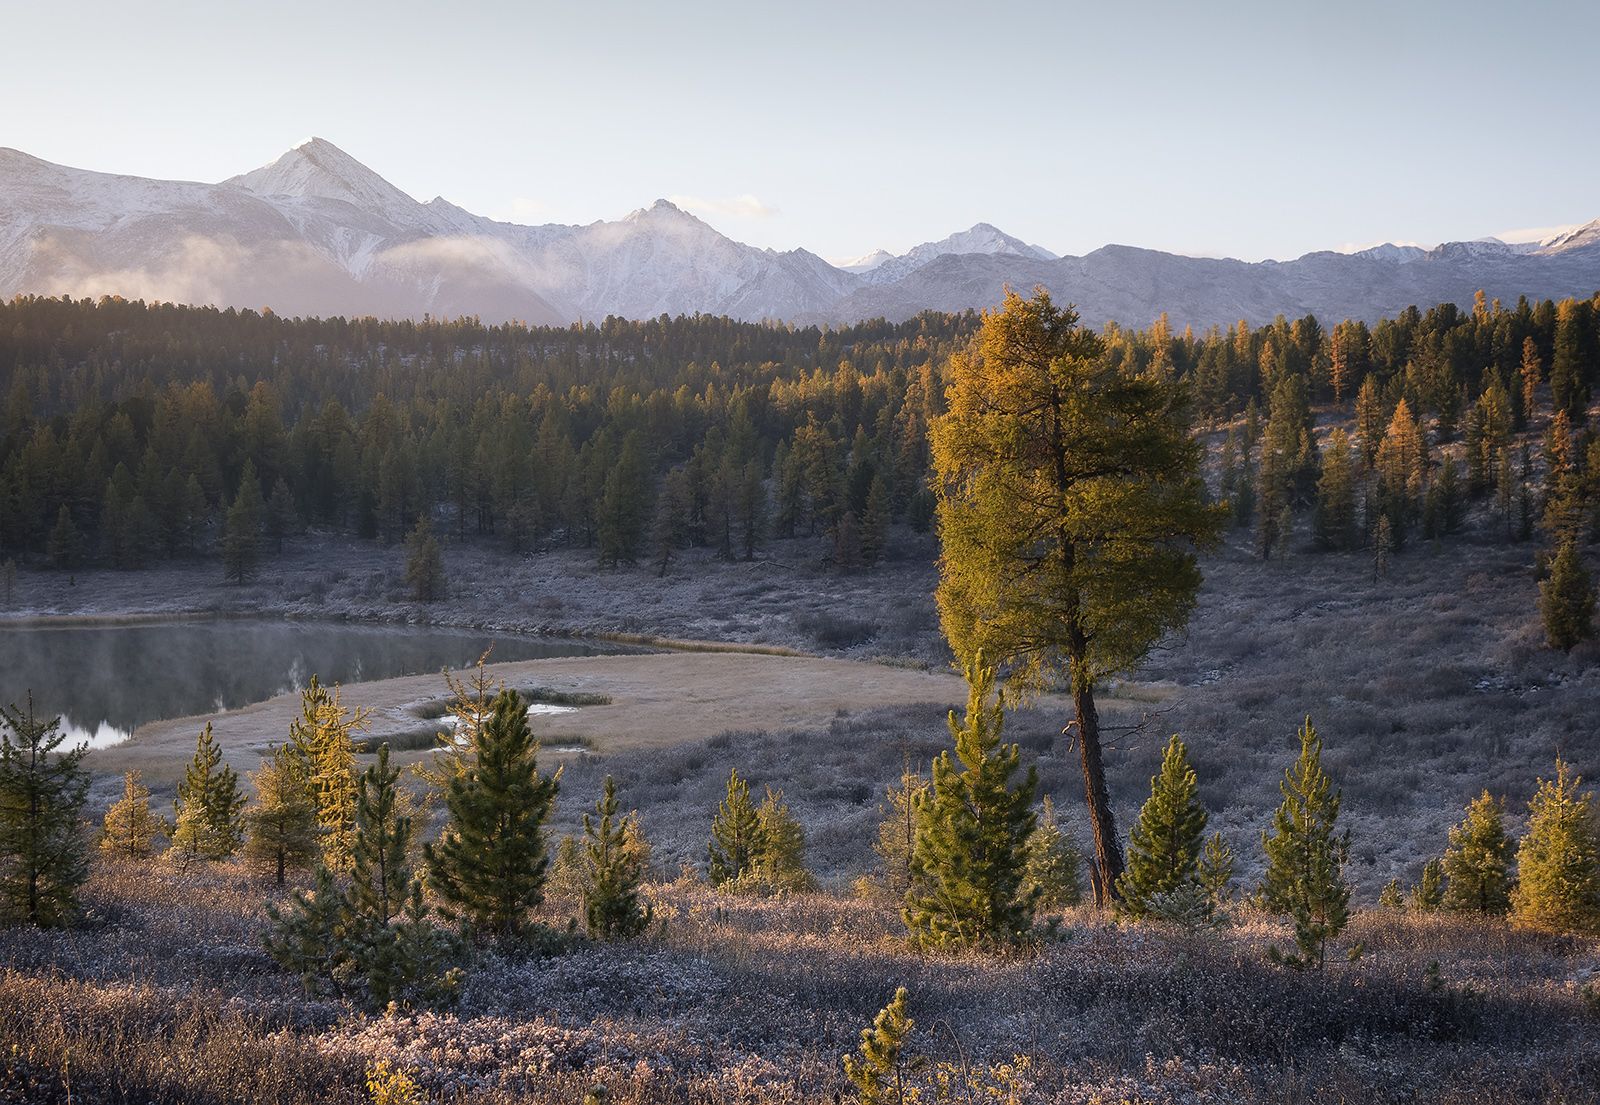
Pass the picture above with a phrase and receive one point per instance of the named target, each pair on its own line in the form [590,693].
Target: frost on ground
[165,995]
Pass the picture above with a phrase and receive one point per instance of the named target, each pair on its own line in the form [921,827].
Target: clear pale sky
[1242,129]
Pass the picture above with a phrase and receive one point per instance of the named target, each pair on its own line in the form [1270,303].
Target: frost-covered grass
[164,995]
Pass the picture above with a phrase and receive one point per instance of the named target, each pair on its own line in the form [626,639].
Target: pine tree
[1336,495]
[735,835]
[1477,864]
[130,824]
[65,547]
[973,825]
[281,519]
[878,1068]
[241,532]
[1369,421]
[1428,895]
[208,805]
[1382,546]
[281,828]
[897,835]
[624,505]
[669,529]
[1532,375]
[1048,566]
[374,937]
[1391,896]
[1305,856]
[1558,861]
[310,937]
[1054,868]
[875,522]
[380,873]
[612,909]
[322,739]
[1567,600]
[1215,872]
[488,865]
[780,862]
[400,954]
[1164,847]
[425,564]
[43,857]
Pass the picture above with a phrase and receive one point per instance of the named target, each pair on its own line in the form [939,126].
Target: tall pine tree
[1164,848]
[488,865]
[612,909]
[1306,854]
[1477,864]
[735,835]
[973,823]
[208,805]
[43,855]
[1558,861]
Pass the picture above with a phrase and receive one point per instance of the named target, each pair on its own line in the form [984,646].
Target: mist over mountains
[318,233]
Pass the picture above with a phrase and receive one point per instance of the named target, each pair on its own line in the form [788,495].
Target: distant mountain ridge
[316,232]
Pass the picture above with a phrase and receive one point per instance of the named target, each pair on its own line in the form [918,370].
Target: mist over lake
[107,680]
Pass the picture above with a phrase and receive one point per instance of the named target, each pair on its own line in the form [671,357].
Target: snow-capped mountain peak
[1586,235]
[317,232]
[866,262]
[319,170]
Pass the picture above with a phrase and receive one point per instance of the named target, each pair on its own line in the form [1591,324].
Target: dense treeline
[128,429]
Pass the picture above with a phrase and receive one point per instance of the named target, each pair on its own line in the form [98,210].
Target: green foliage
[64,549]
[1428,895]
[1558,861]
[613,870]
[1070,508]
[780,859]
[1391,896]
[1305,856]
[43,856]
[209,805]
[401,955]
[425,564]
[1336,524]
[735,835]
[488,866]
[130,824]
[1477,864]
[241,531]
[1054,868]
[374,937]
[970,859]
[624,506]
[1164,847]
[281,827]
[1567,600]
[309,938]
[1215,872]
[878,1069]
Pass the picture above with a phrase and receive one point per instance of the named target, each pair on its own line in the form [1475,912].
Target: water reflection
[105,681]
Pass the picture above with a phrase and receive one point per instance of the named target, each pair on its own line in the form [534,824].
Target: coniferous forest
[1092,840]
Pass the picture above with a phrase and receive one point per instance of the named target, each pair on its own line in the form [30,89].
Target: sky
[1248,130]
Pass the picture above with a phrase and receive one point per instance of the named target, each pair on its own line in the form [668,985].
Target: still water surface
[106,680]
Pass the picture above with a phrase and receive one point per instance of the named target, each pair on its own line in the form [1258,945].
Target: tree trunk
[1107,850]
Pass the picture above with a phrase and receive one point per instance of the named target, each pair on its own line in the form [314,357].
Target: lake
[107,680]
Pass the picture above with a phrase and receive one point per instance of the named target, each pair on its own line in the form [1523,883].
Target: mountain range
[318,233]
